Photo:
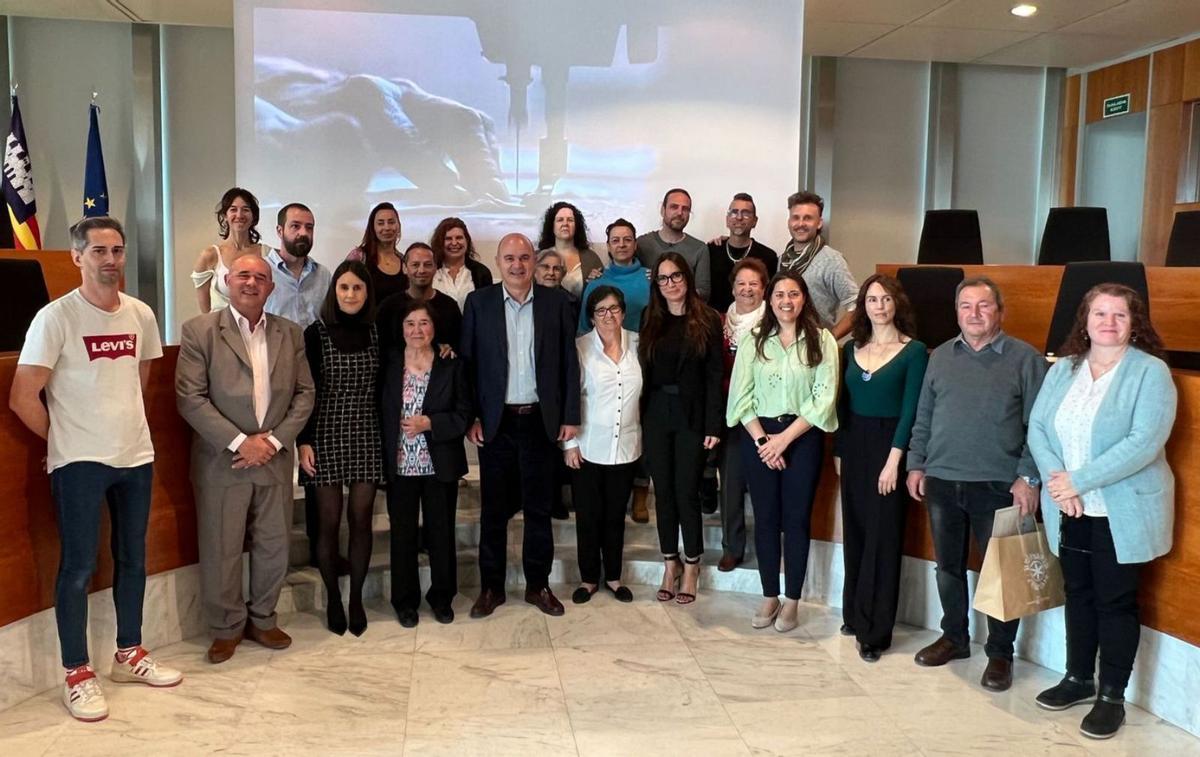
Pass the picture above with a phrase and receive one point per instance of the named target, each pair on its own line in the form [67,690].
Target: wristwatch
[760,441]
[1033,481]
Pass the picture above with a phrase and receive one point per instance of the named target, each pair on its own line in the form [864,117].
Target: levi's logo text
[110,346]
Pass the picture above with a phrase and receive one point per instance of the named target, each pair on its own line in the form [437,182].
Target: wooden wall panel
[1132,76]
[1165,136]
[1166,73]
[59,271]
[29,562]
[1068,142]
[1191,71]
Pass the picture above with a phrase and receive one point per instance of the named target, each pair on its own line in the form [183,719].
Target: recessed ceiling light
[1024,10]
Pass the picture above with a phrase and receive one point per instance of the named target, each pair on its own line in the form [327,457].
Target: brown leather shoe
[727,563]
[272,638]
[997,676]
[545,601]
[641,514]
[941,652]
[487,603]
[222,649]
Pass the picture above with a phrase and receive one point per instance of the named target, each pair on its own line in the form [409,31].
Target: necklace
[729,251]
[867,373]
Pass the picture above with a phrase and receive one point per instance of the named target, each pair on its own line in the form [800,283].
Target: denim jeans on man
[80,491]
[957,509]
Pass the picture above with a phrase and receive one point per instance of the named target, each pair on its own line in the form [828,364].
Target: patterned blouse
[1073,423]
[413,451]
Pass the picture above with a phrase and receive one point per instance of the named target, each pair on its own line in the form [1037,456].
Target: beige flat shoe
[789,616]
[763,621]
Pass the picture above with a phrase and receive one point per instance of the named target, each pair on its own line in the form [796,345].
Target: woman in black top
[426,409]
[340,445]
[682,413]
[378,249]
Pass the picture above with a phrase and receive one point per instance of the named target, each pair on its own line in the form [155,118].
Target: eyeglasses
[613,310]
[740,213]
[546,267]
[663,278]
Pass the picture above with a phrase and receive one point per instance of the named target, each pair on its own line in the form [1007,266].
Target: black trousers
[872,530]
[407,498]
[1102,608]
[675,459]
[956,510]
[783,501]
[516,473]
[600,493]
[733,494]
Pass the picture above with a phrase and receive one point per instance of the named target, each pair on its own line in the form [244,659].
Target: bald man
[519,339]
[243,384]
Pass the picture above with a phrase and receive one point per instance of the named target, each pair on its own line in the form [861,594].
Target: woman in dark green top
[884,367]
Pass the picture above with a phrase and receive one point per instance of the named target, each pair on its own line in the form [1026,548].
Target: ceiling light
[1024,10]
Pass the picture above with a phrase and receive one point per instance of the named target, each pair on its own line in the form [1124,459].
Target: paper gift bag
[1020,576]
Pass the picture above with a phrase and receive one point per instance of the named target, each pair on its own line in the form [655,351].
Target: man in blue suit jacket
[520,341]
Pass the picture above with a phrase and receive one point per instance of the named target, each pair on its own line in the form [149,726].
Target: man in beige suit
[243,384]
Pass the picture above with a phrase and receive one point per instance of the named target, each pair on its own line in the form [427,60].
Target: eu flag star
[88,202]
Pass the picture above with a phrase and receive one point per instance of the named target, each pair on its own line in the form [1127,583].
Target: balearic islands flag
[18,185]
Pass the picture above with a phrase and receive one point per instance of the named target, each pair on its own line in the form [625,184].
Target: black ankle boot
[1069,692]
[358,617]
[1107,715]
[335,615]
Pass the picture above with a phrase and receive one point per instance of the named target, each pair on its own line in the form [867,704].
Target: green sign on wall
[1116,106]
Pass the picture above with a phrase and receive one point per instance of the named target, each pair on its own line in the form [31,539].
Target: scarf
[737,325]
[798,260]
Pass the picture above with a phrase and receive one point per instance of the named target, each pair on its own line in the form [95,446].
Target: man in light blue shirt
[518,324]
[300,282]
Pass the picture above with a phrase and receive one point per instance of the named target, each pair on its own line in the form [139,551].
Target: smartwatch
[760,441]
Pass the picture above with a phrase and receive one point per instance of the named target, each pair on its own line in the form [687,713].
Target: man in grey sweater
[830,284]
[968,458]
[676,211]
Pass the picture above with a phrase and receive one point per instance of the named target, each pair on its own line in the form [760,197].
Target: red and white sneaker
[82,695]
[140,667]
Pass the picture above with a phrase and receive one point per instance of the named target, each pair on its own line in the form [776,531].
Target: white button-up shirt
[260,364]
[457,288]
[611,432]
[1073,424]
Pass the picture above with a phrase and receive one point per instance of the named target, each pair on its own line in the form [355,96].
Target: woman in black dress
[379,249]
[340,446]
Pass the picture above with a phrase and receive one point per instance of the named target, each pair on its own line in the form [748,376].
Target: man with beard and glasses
[830,283]
[727,251]
[300,281]
[676,211]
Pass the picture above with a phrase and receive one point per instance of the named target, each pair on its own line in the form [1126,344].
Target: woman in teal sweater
[625,272]
[1098,433]
[884,367]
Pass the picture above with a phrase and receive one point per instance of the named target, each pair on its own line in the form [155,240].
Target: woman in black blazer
[426,410]
[682,413]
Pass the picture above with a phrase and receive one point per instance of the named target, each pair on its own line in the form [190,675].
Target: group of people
[377,372]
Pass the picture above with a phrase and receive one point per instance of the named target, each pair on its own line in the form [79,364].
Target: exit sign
[1116,106]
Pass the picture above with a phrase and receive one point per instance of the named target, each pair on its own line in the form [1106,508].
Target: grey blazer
[214,388]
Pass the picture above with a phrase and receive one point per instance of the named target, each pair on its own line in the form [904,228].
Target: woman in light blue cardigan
[1098,433]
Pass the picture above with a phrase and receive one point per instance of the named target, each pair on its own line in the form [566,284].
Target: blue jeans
[79,491]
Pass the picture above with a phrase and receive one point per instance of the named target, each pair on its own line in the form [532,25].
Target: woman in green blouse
[884,369]
[783,391]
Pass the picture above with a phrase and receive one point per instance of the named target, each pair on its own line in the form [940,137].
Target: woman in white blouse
[605,452]
[1098,432]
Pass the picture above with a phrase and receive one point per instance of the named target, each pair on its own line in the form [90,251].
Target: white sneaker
[140,667]
[82,695]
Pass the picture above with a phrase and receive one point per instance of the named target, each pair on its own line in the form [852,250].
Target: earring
[1085,334]
[1133,337]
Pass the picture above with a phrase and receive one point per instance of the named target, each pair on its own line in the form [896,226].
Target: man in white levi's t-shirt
[90,350]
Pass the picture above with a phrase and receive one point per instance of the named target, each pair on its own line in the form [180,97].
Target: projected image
[493,111]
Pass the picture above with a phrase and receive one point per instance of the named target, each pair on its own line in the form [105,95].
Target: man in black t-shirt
[723,253]
[419,267]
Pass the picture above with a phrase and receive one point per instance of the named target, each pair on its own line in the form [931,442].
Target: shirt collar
[278,262]
[244,323]
[509,298]
[996,345]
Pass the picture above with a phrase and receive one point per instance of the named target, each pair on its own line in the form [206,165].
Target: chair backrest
[1074,235]
[930,289]
[1077,279]
[22,295]
[950,237]
[1184,247]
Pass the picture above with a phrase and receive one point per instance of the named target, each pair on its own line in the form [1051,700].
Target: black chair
[1184,247]
[1077,279]
[950,237]
[1075,235]
[22,294]
[930,289]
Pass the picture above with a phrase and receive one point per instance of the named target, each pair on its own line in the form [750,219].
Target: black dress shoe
[622,593]
[727,563]
[868,653]
[444,614]
[1069,692]
[335,617]
[1107,715]
[846,630]
[358,618]
[559,512]
[941,652]
[545,601]
[487,603]
[582,595]
[997,676]
[408,617]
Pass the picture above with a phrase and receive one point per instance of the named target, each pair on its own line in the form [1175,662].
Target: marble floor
[605,679]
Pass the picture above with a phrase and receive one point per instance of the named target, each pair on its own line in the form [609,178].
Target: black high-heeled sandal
[686,597]
[666,595]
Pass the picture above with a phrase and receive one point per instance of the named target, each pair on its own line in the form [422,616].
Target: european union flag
[95,183]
